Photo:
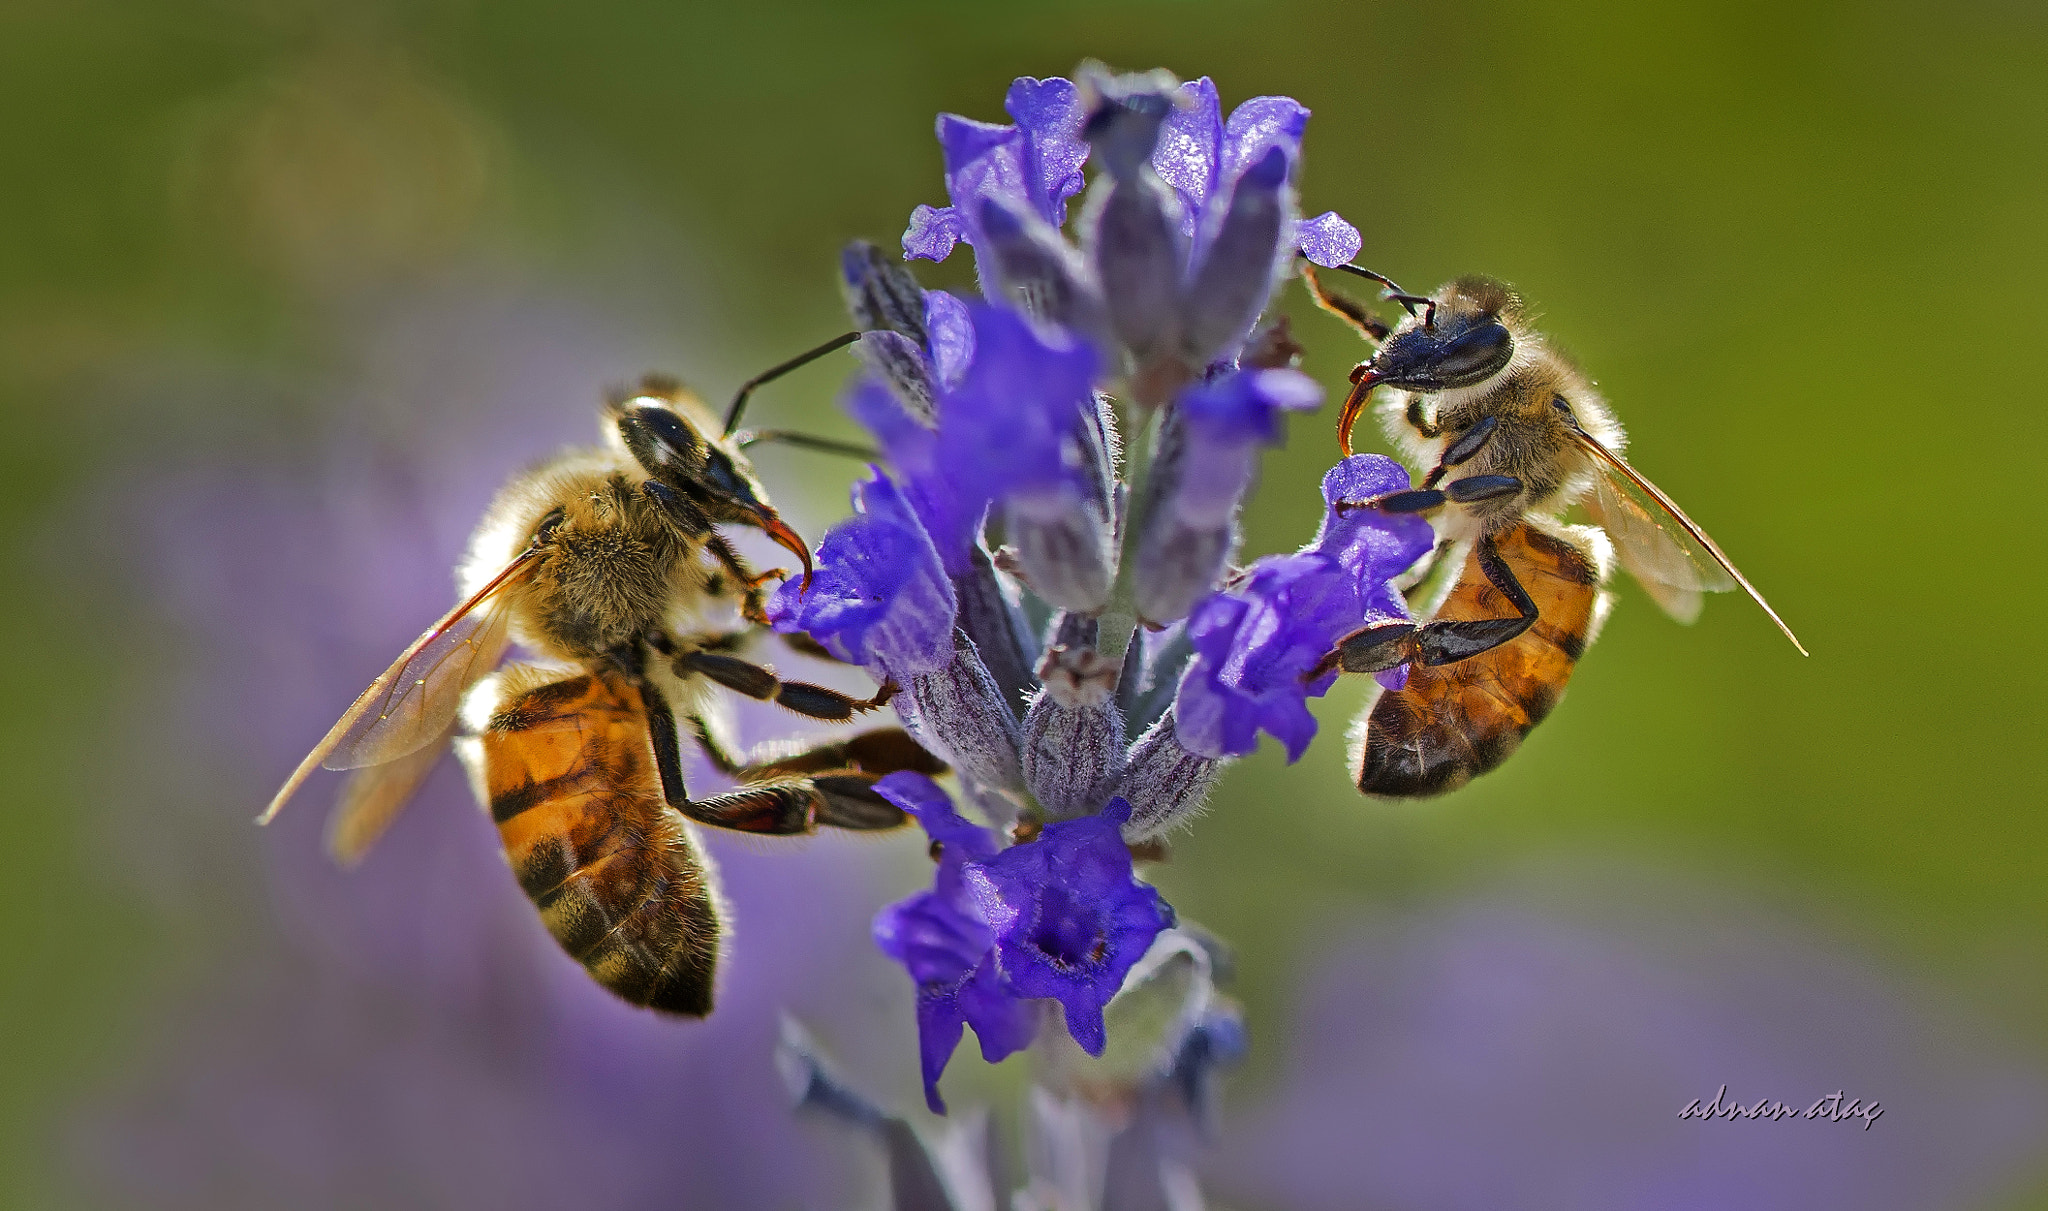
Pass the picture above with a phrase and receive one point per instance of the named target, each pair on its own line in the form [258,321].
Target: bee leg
[1385,645]
[1350,311]
[879,751]
[753,607]
[661,725]
[797,641]
[812,701]
[1463,448]
[1469,490]
[797,807]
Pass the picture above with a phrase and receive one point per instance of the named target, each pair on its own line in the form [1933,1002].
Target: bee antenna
[1394,293]
[790,437]
[739,402]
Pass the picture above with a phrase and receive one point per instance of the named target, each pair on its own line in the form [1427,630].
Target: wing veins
[1615,464]
[384,685]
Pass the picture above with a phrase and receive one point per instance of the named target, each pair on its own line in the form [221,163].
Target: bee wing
[412,703]
[1666,551]
[372,798]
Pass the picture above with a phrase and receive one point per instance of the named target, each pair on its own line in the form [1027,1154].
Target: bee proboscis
[607,564]
[1472,386]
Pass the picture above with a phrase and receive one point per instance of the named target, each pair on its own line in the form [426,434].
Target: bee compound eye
[1474,355]
[659,438]
[548,525]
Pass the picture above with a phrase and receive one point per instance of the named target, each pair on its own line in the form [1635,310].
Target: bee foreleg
[812,701]
[1463,448]
[752,606]
[1469,490]
[1350,311]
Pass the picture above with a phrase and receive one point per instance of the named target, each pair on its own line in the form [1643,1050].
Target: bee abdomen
[568,771]
[1451,723]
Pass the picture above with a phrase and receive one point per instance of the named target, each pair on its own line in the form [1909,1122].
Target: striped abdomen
[1456,721]
[567,769]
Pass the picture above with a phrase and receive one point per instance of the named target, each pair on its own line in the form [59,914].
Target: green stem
[1138,427]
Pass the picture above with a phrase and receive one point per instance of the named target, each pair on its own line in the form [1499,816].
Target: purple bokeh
[1533,1046]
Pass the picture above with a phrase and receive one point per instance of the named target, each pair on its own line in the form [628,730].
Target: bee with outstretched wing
[608,564]
[1473,388]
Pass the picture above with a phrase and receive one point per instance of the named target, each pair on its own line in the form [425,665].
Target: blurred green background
[1800,247]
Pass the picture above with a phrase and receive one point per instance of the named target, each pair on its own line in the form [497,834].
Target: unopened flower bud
[1073,733]
[1165,783]
[958,710]
[1240,264]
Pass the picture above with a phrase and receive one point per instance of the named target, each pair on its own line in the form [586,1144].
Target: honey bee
[1477,389]
[608,565]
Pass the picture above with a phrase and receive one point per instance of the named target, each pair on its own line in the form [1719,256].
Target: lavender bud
[1124,116]
[881,294]
[1241,263]
[1073,733]
[1038,269]
[1133,235]
[1188,519]
[957,709]
[1066,547]
[990,616]
[896,360]
[1164,782]
[1152,667]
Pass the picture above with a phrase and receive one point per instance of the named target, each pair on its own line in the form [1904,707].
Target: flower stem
[1140,428]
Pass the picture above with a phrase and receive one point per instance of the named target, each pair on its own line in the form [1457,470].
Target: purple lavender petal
[1034,166]
[927,802]
[1257,126]
[1245,406]
[982,160]
[1255,642]
[1252,647]
[932,232]
[1009,425]
[940,938]
[1328,240]
[1188,156]
[880,597]
[951,332]
[1049,114]
[1069,918]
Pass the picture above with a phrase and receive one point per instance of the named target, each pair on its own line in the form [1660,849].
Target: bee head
[1461,338]
[717,481]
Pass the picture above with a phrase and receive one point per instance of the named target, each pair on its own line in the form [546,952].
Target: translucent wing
[372,798]
[1672,568]
[412,703]
[1668,554]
